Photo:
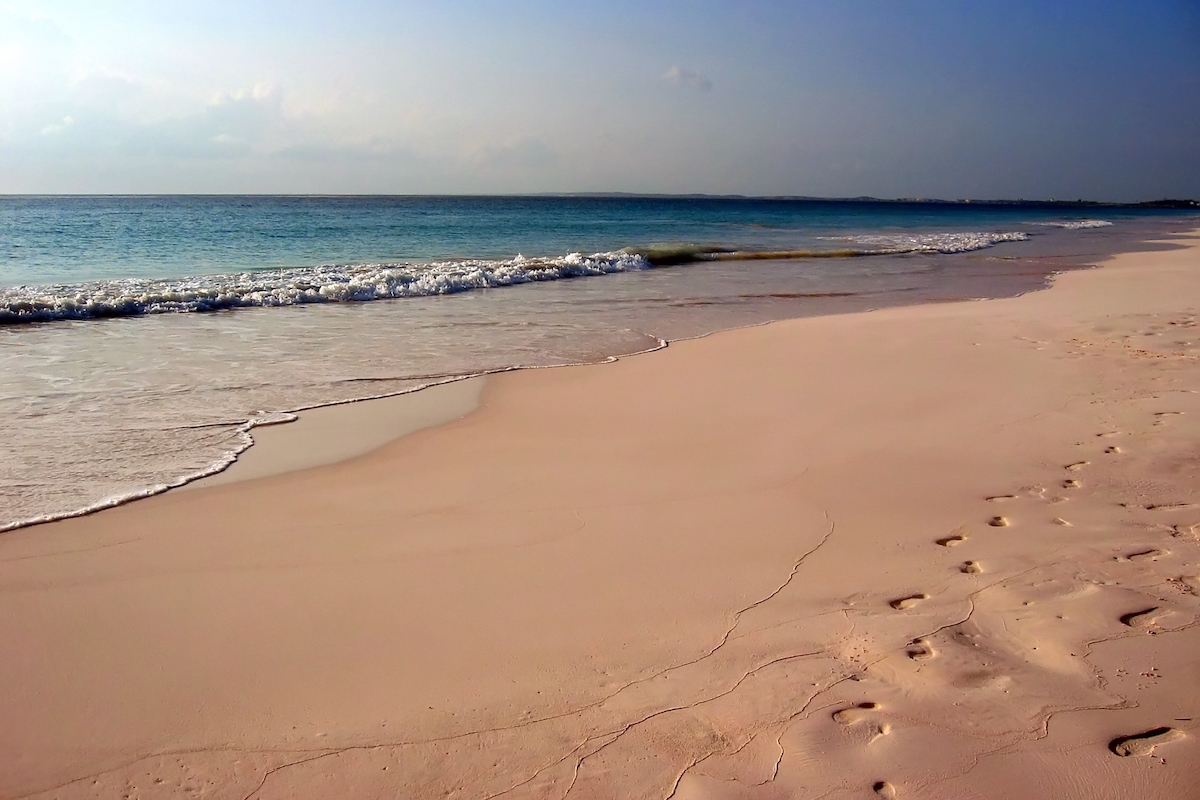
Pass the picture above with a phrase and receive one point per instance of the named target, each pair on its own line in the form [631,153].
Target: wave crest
[869,245]
[948,243]
[323,284]
[1076,224]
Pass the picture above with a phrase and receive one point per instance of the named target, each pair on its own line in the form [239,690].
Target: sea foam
[285,287]
[954,242]
[1076,224]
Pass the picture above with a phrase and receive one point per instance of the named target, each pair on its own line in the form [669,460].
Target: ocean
[143,338]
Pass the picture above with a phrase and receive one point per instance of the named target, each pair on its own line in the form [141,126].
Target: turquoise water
[110,388]
[71,239]
[89,257]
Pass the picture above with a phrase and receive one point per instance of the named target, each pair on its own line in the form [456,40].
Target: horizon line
[1165,202]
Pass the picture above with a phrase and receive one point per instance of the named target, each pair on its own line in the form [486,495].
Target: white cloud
[682,78]
[56,127]
[261,91]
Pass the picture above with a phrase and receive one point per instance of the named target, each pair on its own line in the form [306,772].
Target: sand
[328,434]
[947,551]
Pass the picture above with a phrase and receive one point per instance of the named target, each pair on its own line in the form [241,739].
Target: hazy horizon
[633,195]
[994,101]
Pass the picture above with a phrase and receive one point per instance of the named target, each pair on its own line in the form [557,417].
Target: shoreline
[151,482]
[326,434]
[675,574]
[334,432]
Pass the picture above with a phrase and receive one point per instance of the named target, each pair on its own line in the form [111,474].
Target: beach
[948,550]
[139,358]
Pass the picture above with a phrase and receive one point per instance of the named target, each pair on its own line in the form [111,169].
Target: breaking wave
[1077,224]
[127,297]
[869,245]
[957,242]
[325,284]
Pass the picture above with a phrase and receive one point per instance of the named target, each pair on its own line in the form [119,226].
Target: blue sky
[890,98]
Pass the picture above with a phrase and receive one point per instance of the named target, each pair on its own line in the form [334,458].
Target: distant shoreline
[1182,204]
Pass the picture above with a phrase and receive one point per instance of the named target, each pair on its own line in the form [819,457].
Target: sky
[1065,99]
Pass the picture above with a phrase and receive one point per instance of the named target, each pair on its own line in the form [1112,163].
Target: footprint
[1061,521]
[920,650]
[1000,498]
[853,714]
[998,522]
[1185,531]
[1071,484]
[1190,583]
[1141,619]
[982,678]
[884,790]
[1143,744]
[1078,465]
[1145,555]
[950,541]
[971,568]
[879,731]
[905,603]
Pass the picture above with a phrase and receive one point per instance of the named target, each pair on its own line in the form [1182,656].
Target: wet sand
[327,435]
[943,551]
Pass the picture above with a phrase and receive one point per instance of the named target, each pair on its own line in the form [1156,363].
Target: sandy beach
[943,551]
